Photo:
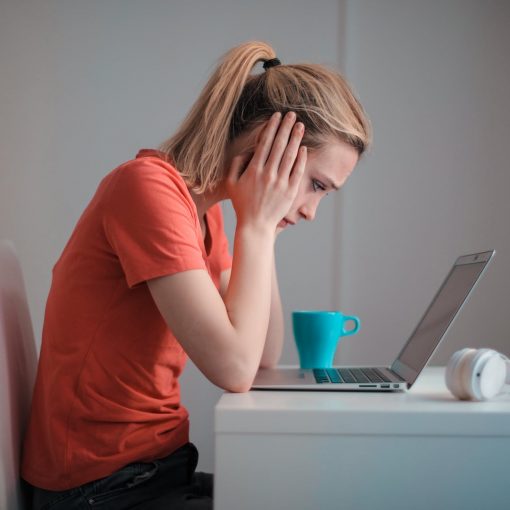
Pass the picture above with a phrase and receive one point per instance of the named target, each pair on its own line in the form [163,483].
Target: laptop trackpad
[282,376]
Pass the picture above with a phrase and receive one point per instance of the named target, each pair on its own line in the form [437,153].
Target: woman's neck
[206,200]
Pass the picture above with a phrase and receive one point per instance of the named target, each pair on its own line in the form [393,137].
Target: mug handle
[356,325]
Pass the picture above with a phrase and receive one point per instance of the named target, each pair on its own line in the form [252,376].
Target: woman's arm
[276,328]
[275,332]
[225,338]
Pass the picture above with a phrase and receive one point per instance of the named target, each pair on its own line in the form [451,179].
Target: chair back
[18,362]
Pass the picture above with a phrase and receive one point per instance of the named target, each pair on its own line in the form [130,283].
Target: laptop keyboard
[349,375]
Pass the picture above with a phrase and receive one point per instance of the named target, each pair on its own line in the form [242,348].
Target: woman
[146,280]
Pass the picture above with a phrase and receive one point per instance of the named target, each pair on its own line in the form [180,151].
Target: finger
[266,141]
[280,142]
[298,170]
[291,151]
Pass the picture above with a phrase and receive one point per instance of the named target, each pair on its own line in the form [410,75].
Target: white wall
[434,78]
[85,84]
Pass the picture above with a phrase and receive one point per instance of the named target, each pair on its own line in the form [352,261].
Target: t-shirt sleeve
[150,222]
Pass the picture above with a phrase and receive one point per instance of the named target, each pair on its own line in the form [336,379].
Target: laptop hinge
[407,373]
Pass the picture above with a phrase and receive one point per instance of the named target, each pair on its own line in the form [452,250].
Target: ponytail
[198,148]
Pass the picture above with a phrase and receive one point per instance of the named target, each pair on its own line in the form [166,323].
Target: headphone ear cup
[470,372]
[490,377]
[452,375]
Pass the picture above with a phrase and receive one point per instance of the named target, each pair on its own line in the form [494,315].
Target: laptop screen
[440,314]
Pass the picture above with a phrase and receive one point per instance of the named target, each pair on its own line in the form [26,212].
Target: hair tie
[271,63]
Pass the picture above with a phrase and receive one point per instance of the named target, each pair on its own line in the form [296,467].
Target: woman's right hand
[263,193]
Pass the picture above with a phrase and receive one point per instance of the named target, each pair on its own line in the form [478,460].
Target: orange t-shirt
[107,389]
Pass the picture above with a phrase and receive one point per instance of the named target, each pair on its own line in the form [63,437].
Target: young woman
[146,280]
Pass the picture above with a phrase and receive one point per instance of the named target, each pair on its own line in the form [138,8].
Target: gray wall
[434,77]
[84,85]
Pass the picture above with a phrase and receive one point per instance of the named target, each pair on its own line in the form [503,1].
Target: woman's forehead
[335,159]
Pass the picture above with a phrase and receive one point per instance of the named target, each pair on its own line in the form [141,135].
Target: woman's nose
[307,211]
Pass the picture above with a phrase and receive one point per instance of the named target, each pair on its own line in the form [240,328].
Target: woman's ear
[247,141]
[258,131]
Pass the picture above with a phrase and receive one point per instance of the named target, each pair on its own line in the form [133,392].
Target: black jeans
[168,483]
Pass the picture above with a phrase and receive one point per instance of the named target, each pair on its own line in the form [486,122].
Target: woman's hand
[263,194]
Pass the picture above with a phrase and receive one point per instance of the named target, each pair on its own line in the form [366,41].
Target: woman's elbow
[239,378]
[239,388]
[236,384]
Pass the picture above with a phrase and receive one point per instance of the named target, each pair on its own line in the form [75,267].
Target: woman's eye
[317,185]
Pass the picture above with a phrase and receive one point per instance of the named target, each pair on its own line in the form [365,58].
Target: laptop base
[283,378]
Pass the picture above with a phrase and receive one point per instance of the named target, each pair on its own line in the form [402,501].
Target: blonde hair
[234,101]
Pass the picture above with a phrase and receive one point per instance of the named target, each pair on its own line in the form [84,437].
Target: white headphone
[477,374]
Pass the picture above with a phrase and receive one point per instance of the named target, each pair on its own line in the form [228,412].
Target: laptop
[413,357]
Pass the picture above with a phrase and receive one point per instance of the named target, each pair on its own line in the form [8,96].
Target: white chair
[18,360]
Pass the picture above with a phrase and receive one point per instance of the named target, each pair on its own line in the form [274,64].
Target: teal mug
[317,334]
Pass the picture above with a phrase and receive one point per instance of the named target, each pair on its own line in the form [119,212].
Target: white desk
[411,451]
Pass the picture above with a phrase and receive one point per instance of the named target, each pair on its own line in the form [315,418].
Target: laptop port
[368,385]
[385,385]
[395,385]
